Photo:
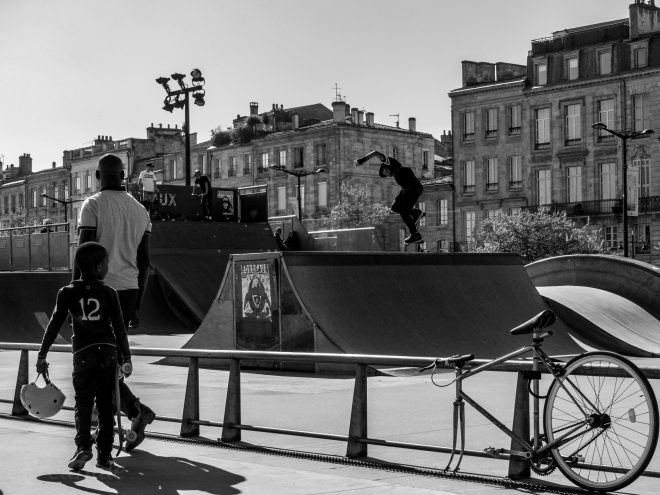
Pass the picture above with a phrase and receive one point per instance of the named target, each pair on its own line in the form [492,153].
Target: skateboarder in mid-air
[404,203]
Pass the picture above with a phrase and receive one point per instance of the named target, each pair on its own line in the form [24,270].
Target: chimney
[370,119]
[54,165]
[338,112]
[254,108]
[354,115]
[24,164]
[412,124]
[360,117]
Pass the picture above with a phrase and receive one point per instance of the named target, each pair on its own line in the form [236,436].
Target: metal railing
[356,439]
[36,247]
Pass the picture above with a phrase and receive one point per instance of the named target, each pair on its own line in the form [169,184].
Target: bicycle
[600,417]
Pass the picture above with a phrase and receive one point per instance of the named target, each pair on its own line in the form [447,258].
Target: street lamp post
[299,174]
[180,98]
[624,136]
[66,203]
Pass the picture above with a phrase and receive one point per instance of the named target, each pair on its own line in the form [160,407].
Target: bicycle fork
[458,420]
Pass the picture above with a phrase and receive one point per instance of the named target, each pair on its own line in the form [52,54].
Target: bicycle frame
[530,450]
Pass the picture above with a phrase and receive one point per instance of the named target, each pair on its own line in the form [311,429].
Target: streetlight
[299,173]
[180,99]
[66,203]
[624,136]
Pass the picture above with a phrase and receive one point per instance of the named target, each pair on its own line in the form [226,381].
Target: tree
[537,235]
[220,137]
[355,209]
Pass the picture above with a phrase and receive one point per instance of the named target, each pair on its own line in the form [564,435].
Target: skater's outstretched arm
[369,156]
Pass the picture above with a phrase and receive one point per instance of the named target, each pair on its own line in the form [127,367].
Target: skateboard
[124,435]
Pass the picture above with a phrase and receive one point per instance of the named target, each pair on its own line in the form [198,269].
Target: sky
[71,70]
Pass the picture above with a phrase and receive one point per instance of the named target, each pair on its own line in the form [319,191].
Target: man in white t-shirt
[121,224]
[147,185]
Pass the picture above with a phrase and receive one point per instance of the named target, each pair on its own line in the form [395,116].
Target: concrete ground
[34,455]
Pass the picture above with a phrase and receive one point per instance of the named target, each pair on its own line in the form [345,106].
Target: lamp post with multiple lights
[180,98]
[624,136]
[299,174]
[66,203]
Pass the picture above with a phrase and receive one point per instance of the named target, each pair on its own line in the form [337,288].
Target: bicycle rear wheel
[604,416]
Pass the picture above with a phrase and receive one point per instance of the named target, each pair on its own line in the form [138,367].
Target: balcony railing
[601,207]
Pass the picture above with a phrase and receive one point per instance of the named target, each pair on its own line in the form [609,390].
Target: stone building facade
[523,135]
[314,137]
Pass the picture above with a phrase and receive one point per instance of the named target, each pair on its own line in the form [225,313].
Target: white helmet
[42,402]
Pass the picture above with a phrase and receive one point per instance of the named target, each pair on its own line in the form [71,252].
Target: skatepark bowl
[183,389]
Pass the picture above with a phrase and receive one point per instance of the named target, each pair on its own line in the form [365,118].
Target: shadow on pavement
[144,473]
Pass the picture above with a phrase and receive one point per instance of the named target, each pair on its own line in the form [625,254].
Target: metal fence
[43,247]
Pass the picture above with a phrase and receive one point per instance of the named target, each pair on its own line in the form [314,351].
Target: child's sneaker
[105,462]
[415,238]
[79,459]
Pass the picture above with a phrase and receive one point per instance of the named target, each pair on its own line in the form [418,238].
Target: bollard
[233,404]
[518,467]
[358,426]
[191,401]
[21,379]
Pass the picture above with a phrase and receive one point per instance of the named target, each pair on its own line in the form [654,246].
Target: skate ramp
[189,259]
[423,304]
[27,301]
[605,320]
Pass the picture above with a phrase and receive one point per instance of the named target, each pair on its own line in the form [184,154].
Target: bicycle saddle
[541,320]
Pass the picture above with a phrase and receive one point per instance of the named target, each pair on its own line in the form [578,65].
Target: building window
[541,74]
[56,191]
[468,126]
[606,116]
[573,124]
[232,167]
[300,190]
[43,199]
[515,172]
[66,191]
[608,180]
[281,198]
[442,246]
[491,122]
[443,212]
[468,176]
[543,187]
[322,194]
[425,160]
[263,166]
[422,206]
[515,210]
[571,71]
[639,55]
[320,151]
[605,62]
[490,214]
[644,166]
[216,168]
[542,131]
[491,174]
[515,118]
[470,222]
[77,184]
[247,164]
[611,236]
[395,152]
[34,198]
[574,184]
[640,112]
[281,158]
[299,157]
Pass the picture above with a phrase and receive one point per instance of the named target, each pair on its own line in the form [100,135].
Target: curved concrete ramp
[378,303]
[608,301]
[604,320]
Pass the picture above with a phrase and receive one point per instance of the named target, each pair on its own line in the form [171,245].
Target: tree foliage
[220,137]
[355,209]
[538,235]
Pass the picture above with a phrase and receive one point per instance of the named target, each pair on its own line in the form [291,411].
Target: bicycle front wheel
[603,416]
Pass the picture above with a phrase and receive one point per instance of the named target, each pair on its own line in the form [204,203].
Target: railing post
[358,426]
[233,404]
[519,467]
[21,379]
[191,401]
